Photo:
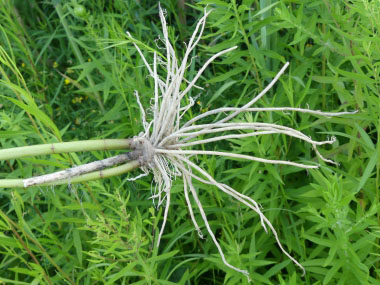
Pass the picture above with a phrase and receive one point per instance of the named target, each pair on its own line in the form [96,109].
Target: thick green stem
[53,148]
[11,183]
[19,183]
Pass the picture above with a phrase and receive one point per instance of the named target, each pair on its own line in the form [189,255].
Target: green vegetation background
[68,72]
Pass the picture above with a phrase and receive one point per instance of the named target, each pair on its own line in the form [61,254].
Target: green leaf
[164,256]
[365,137]
[221,90]
[332,272]
[78,245]
[84,205]
[13,134]
[368,170]
[228,74]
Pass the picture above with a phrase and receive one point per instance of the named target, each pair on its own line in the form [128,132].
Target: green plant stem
[76,51]
[54,148]
[19,183]
[256,71]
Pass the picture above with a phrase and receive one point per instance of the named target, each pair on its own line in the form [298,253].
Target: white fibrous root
[166,137]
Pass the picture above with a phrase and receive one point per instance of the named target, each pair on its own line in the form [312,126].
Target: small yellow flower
[67,81]
[55,64]
[23,64]
[89,60]
[77,100]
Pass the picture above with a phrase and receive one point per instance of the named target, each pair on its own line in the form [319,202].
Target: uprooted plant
[164,148]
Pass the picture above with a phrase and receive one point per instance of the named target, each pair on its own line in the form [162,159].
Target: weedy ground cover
[72,75]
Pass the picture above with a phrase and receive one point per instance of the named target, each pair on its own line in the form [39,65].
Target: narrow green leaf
[84,205]
[332,272]
[229,74]
[163,256]
[368,170]
[221,90]
[78,245]
[365,137]
[265,9]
